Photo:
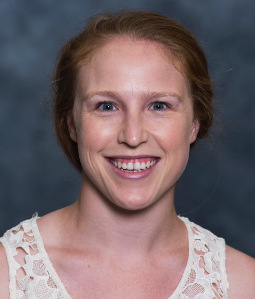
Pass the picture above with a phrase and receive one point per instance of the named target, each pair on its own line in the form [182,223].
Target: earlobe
[194,130]
[71,127]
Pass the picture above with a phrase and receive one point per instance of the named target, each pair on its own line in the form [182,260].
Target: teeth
[130,166]
[137,166]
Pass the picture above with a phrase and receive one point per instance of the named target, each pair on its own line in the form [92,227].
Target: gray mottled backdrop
[218,187]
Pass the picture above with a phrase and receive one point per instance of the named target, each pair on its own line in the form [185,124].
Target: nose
[133,131]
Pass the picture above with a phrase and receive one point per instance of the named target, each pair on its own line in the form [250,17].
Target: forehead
[126,62]
[127,44]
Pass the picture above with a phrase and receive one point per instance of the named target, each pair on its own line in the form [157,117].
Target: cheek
[173,133]
[93,134]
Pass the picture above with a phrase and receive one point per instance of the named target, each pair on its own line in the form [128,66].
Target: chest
[105,281]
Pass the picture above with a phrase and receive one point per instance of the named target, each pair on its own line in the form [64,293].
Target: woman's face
[133,122]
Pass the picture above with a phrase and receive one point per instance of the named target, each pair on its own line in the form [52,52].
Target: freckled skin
[132,76]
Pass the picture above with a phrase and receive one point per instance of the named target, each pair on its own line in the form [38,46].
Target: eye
[106,106]
[158,106]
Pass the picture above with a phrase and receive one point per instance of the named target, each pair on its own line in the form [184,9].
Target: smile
[133,165]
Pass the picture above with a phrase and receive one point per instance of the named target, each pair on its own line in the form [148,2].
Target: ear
[194,130]
[71,126]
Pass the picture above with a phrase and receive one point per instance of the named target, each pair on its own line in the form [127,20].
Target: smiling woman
[132,95]
[131,129]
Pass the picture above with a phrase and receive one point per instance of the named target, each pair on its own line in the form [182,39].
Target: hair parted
[139,25]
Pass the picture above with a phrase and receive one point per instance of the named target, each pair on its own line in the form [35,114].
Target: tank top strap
[28,273]
[207,277]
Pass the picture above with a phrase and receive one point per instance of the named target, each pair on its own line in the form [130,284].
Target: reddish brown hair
[138,25]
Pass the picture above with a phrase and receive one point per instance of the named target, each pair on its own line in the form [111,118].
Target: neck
[102,225]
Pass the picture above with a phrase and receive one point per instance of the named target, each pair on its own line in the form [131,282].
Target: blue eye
[107,106]
[158,106]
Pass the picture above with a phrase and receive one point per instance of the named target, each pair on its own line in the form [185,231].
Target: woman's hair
[139,25]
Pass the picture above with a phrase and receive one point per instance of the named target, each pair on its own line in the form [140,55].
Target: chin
[133,203]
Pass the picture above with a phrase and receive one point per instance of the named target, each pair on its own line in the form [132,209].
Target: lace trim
[187,270]
[12,286]
[224,269]
[46,259]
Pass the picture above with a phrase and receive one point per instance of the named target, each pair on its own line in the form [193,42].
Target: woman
[132,95]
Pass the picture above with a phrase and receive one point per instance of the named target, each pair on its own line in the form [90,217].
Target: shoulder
[241,274]
[207,239]
[4,274]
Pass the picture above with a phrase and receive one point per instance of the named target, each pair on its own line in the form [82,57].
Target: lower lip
[133,175]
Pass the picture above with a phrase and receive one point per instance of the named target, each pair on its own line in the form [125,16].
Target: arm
[241,274]
[4,275]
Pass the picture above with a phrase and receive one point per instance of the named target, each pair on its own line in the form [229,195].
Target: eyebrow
[155,95]
[114,95]
[108,94]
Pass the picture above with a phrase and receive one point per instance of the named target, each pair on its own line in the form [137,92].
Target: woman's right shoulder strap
[17,243]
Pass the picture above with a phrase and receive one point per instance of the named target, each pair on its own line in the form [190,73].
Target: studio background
[217,189]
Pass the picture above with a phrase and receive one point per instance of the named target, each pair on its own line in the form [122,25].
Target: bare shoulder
[241,274]
[4,274]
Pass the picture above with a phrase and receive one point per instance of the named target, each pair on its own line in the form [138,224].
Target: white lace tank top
[35,277]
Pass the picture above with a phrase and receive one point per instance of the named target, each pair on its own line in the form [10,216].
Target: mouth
[134,164]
